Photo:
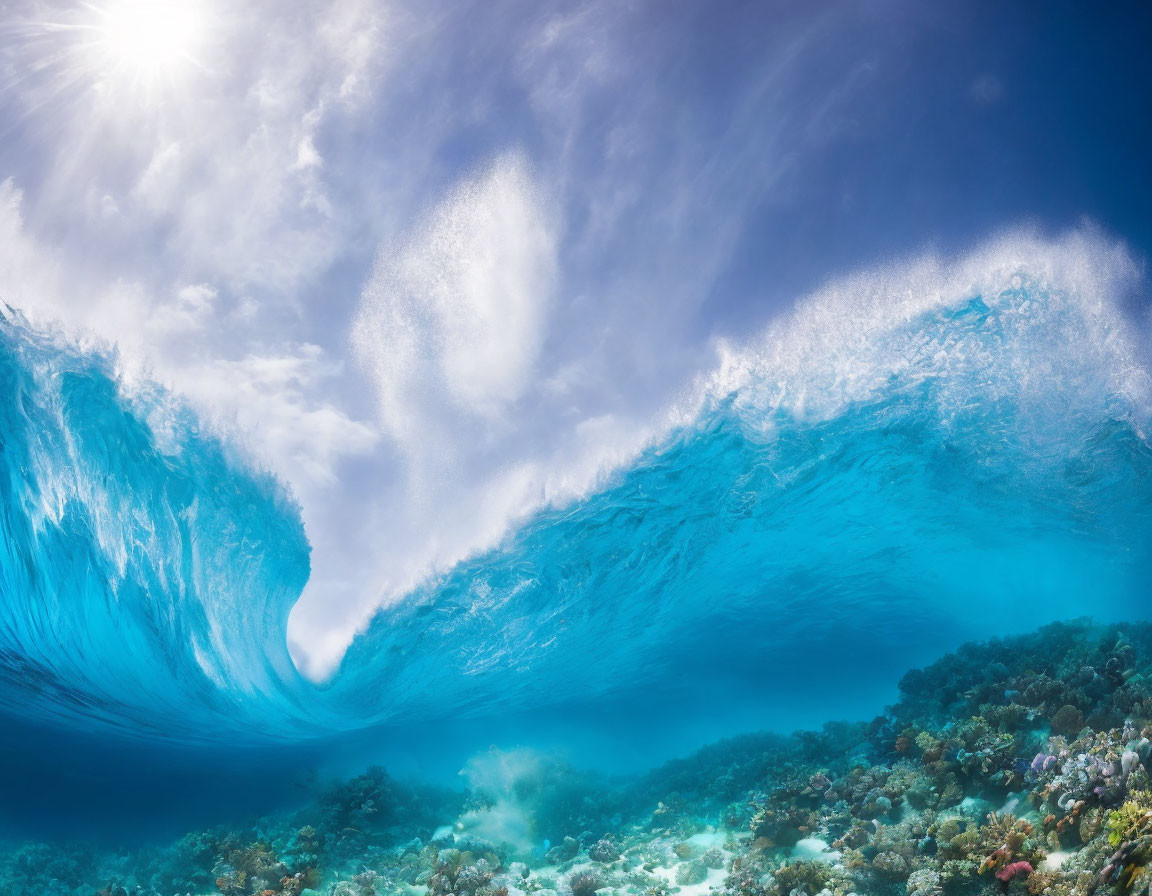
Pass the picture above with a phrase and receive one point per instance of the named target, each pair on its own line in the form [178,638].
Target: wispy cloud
[280,402]
[276,400]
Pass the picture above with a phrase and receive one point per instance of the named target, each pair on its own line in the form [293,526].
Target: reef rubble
[1019,765]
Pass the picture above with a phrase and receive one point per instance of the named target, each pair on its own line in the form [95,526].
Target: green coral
[807,876]
[1132,820]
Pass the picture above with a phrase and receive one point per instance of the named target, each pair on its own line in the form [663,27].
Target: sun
[108,61]
[148,38]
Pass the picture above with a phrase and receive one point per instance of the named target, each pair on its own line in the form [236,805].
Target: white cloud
[198,296]
[275,399]
[25,275]
[221,161]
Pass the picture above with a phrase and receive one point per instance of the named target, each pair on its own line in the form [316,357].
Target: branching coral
[1132,820]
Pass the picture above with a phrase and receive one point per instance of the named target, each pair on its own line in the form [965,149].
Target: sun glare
[149,38]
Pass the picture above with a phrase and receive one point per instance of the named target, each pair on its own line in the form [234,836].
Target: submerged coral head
[1010,871]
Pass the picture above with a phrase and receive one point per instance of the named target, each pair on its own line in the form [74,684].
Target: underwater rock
[604,850]
[689,873]
[891,864]
[563,852]
[714,859]
[584,883]
[924,882]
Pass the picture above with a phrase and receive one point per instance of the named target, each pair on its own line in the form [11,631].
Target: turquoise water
[850,496]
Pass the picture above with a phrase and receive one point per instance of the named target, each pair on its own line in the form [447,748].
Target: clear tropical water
[911,459]
[444,450]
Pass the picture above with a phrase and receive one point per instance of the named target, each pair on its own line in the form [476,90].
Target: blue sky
[438,263]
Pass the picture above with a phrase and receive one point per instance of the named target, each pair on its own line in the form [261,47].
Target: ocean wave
[147,574]
[933,451]
[926,452]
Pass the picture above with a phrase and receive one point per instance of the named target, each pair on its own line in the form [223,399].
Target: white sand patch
[715,878]
[815,849]
[708,840]
[1054,861]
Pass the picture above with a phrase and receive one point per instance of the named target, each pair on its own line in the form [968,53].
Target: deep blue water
[913,458]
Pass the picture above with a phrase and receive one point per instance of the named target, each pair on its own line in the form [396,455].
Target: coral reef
[1016,766]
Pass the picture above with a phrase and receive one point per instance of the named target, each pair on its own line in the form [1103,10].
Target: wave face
[912,458]
[146,576]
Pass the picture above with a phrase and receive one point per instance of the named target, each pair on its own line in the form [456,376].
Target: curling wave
[146,575]
[916,456]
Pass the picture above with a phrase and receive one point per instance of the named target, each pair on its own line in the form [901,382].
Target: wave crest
[146,573]
[919,455]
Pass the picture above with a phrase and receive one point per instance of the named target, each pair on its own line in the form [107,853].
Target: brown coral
[1067,720]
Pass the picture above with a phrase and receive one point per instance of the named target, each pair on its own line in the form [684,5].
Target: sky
[439,264]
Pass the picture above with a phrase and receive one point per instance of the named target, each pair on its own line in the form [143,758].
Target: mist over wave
[915,456]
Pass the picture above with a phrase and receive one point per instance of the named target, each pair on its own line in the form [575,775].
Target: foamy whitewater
[920,455]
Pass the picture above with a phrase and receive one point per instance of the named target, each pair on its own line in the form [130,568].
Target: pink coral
[1011,870]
